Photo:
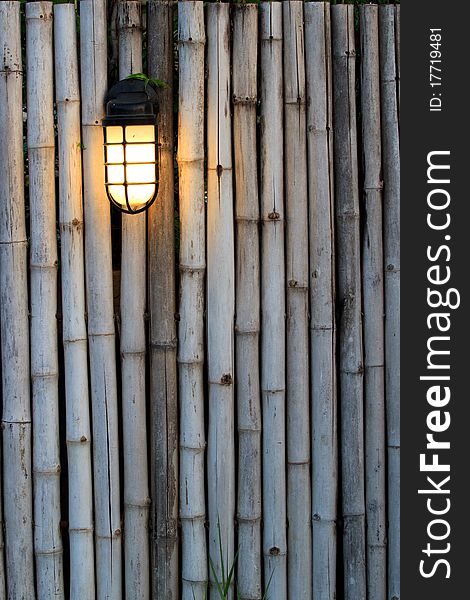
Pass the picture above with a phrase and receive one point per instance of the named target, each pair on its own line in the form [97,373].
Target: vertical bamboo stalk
[391,177]
[247,325]
[322,298]
[78,435]
[99,282]
[43,269]
[349,298]
[16,418]
[162,303]
[372,274]
[273,373]
[2,544]
[220,294]
[191,40]
[397,51]
[297,370]
[133,349]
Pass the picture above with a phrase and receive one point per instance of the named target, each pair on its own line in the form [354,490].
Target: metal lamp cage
[130,104]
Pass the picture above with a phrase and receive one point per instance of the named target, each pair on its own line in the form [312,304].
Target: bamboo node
[226,379]
[274,216]
[244,100]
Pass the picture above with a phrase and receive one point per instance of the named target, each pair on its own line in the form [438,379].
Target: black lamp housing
[131,151]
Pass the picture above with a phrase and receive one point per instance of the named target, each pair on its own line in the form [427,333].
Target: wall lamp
[130,146]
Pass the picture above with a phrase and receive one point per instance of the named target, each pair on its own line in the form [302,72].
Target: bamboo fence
[281,358]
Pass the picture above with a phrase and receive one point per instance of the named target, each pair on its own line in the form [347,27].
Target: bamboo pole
[322,298]
[78,434]
[391,177]
[162,303]
[220,295]
[297,274]
[2,544]
[397,51]
[273,302]
[16,418]
[349,298]
[191,41]
[373,293]
[99,282]
[247,325]
[43,269]
[133,349]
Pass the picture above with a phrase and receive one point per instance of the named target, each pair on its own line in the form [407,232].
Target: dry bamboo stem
[391,176]
[43,269]
[220,294]
[397,51]
[373,293]
[133,349]
[322,298]
[297,369]
[99,281]
[16,418]
[349,298]
[2,545]
[163,374]
[273,302]
[247,326]
[191,37]
[82,579]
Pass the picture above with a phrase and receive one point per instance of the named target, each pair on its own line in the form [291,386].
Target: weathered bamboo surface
[192,265]
[350,348]
[373,309]
[16,414]
[283,353]
[299,559]
[391,177]
[162,308]
[322,298]
[100,310]
[247,302]
[273,350]
[74,332]
[43,281]
[220,296]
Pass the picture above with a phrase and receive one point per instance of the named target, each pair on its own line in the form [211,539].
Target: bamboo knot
[244,100]
[83,439]
[316,517]
[274,216]
[117,532]
[274,551]
[226,379]
[293,283]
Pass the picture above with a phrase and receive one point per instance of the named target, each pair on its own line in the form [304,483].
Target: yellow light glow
[132,163]
[140,133]
[114,134]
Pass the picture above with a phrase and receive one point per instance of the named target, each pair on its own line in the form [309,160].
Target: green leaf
[149,80]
